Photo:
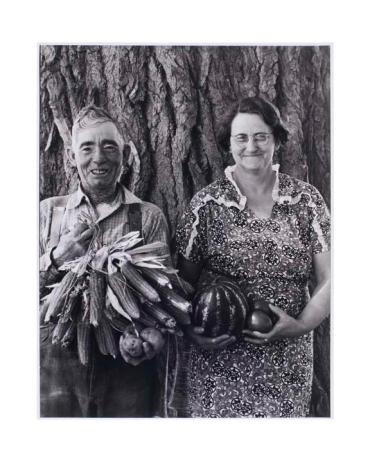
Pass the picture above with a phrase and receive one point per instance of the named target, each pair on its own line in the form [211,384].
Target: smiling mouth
[99,172]
[250,155]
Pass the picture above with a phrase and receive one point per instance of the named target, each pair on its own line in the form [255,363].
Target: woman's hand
[285,327]
[317,309]
[195,333]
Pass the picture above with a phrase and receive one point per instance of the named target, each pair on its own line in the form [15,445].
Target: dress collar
[241,199]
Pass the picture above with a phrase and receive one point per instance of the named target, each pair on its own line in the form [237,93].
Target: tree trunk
[169,101]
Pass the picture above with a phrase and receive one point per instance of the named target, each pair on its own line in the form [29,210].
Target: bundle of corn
[143,289]
[119,286]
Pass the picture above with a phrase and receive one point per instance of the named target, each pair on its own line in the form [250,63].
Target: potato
[130,331]
[153,336]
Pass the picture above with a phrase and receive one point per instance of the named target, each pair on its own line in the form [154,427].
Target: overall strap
[135,218]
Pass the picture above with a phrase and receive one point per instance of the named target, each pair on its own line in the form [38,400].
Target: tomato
[259,321]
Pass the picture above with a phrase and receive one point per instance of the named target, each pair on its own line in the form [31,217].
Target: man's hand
[73,244]
[195,333]
[152,343]
[285,327]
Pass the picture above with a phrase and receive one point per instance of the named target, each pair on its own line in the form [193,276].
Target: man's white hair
[88,117]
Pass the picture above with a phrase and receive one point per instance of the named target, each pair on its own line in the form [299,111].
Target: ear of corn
[97,288]
[116,321]
[176,305]
[156,276]
[83,341]
[100,340]
[99,258]
[159,314]
[123,294]
[118,324]
[157,247]
[135,280]
[59,295]
[70,334]
[112,299]
[149,261]
[60,329]
[85,305]
[72,301]
[148,320]
[105,338]
[180,284]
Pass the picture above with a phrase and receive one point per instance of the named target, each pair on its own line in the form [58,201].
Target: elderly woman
[266,230]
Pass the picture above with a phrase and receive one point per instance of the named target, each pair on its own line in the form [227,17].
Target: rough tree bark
[169,101]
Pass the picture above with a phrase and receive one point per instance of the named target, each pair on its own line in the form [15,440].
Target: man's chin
[100,185]
[97,185]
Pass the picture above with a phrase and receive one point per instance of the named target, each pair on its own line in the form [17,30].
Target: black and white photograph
[185,231]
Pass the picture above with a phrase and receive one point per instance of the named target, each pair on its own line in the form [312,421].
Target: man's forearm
[49,274]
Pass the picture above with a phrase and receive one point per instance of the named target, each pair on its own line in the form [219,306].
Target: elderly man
[106,387]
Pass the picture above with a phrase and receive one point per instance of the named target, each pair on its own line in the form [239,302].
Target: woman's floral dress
[273,258]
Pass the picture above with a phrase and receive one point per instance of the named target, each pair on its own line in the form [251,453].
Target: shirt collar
[239,198]
[124,196]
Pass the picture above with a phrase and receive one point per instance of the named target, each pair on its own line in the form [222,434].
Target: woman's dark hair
[253,105]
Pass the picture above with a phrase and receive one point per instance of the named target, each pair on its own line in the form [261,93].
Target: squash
[220,307]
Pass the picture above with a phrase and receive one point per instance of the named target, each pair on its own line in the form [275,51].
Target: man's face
[98,156]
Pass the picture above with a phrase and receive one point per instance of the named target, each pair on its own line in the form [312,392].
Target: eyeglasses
[259,139]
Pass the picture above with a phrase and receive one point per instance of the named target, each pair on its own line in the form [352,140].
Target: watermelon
[220,307]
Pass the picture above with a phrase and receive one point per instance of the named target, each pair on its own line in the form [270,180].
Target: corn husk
[101,315]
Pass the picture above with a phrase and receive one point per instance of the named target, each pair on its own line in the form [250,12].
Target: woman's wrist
[303,327]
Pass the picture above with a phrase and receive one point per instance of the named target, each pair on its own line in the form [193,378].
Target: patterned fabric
[272,258]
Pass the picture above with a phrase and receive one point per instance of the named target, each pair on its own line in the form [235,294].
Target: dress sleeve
[320,224]
[191,236]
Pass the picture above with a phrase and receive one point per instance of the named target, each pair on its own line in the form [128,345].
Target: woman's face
[252,142]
